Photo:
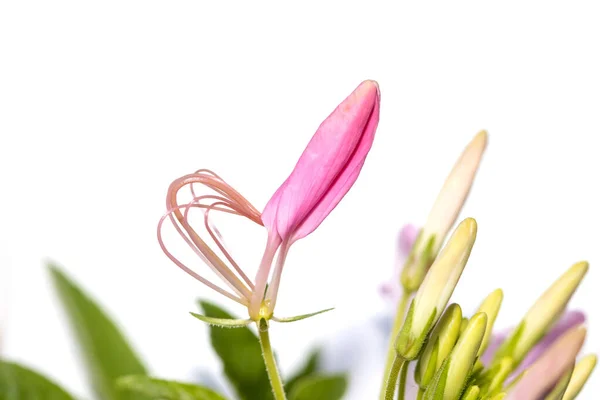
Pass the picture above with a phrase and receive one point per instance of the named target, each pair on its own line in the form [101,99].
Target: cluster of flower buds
[459,357]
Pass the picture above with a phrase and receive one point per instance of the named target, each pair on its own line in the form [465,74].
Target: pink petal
[550,367]
[568,320]
[327,168]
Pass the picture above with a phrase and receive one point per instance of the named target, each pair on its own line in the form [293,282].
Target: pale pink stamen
[188,270]
[226,200]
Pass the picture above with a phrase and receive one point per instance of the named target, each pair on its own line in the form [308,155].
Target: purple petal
[406,239]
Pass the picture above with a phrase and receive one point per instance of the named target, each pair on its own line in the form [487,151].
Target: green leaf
[240,352]
[19,383]
[167,390]
[107,354]
[308,369]
[223,322]
[328,387]
[300,317]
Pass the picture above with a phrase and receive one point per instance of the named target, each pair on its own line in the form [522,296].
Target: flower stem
[270,363]
[403,376]
[392,378]
[391,353]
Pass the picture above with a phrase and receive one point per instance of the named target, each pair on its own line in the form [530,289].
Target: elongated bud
[464,355]
[580,375]
[439,345]
[550,367]
[432,297]
[472,393]
[561,386]
[443,214]
[463,325]
[491,307]
[450,379]
[542,315]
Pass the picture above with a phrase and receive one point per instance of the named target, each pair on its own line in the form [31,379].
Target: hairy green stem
[403,376]
[392,378]
[270,363]
[391,352]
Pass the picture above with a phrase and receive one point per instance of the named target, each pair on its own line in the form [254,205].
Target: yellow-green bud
[561,386]
[542,315]
[472,393]
[491,307]
[450,379]
[439,345]
[580,375]
[443,214]
[433,295]
[464,355]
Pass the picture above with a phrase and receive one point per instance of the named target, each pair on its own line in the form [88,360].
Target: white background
[102,104]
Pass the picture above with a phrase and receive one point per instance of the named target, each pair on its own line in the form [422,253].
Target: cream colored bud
[433,295]
[491,307]
[581,373]
[443,214]
[543,314]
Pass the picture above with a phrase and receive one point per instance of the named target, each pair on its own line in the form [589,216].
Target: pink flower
[325,172]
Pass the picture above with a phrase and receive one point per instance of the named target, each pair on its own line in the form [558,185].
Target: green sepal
[424,380]
[223,322]
[300,317]
[241,356]
[165,390]
[412,276]
[435,390]
[19,383]
[406,346]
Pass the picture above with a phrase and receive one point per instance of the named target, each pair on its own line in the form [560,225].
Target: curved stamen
[219,243]
[226,200]
[188,270]
[188,240]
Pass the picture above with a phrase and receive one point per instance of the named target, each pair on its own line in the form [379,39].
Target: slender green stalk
[403,376]
[391,353]
[392,378]
[420,394]
[270,363]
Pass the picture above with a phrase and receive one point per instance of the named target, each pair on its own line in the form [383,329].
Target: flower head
[324,173]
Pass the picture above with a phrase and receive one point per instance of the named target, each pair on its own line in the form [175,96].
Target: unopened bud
[433,295]
[439,345]
[443,214]
[542,315]
[580,375]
